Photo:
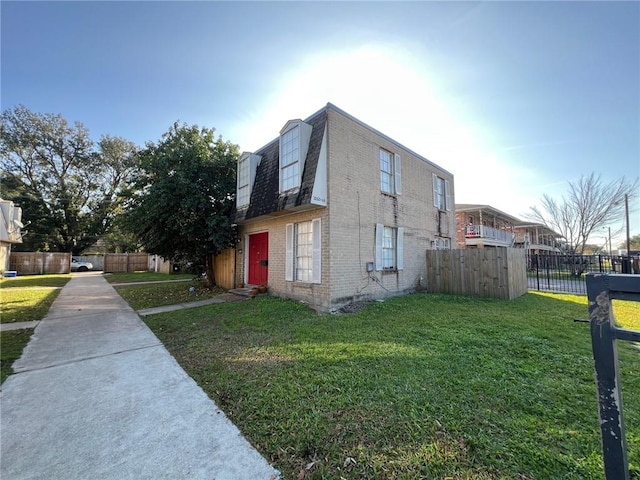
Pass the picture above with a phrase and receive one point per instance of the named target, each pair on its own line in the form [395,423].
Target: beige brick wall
[356,204]
[316,295]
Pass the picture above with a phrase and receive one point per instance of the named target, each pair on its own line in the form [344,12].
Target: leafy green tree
[69,191]
[589,205]
[634,241]
[183,203]
[117,158]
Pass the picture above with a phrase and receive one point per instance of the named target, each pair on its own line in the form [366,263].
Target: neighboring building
[10,225]
[480,226]
[333,211]
[537,238]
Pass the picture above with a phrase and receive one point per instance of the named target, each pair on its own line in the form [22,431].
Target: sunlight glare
[392,89]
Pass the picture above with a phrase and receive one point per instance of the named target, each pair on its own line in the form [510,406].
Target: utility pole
[626,214]
[610,252]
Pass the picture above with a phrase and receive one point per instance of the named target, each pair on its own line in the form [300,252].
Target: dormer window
[243,182]
[290,158]
[294,143]
[246,175]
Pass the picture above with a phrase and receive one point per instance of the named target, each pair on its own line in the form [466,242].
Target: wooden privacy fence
[486,272]
[225,269]
[126,262]
[38,263]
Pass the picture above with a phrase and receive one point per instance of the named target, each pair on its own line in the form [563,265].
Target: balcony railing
[536,240]
[482,231]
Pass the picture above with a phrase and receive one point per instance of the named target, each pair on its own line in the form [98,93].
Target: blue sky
[514,98]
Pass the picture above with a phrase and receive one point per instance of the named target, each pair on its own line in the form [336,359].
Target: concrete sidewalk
[98,396]
[222,298]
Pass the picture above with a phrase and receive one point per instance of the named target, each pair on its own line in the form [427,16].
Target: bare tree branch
[589,204]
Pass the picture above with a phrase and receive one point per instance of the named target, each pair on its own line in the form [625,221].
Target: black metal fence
[567,273]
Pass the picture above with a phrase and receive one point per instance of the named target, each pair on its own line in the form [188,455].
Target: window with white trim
[245,177]
[389,248]
[441,196]
[390,172]
[303,233]
[290,158]
[293,148]
[243,182]
[442,243]
[303,252]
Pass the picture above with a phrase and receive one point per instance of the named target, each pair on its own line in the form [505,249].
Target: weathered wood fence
[126,262]
[225,269]
[485,272]
[38,263]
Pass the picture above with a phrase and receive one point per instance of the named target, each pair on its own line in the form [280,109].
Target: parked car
[78,266]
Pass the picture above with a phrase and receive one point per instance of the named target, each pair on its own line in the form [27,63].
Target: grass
[12,343]
[160,294]
[144,277]
[23,299]
[627,314]
[28,298]
[34,281]
[423,386]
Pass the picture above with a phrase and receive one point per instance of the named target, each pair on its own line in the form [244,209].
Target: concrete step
[249,291]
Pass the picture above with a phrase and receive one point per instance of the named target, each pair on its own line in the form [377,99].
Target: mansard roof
[265,195]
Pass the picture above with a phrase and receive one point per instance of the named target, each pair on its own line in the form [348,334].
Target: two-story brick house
[333,211]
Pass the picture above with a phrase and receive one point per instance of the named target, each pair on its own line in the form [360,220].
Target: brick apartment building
[333,211]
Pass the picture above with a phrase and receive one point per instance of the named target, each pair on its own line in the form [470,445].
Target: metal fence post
[605,355]
[601,289]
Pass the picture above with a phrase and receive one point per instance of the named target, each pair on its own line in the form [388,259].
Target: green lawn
[34,281]
[23,299]
[27,298]
[11,345]
[423,386]
[159,294]
[144,277]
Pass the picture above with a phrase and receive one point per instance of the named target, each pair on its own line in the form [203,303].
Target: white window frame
[294,144]
[290,159]
[396,245]
[312,253]
[244,190]
[303,255]
[391,175]
[245,177]
[441,193]
[442,243]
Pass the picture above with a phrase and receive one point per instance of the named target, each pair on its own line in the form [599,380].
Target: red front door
[258,257]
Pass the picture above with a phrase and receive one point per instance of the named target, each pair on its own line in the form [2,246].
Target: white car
[78,266]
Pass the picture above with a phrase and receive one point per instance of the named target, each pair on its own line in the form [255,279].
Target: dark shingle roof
[265,196]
